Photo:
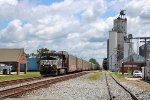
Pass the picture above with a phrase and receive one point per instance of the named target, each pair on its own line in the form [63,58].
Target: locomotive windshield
[48,62]
[49,59]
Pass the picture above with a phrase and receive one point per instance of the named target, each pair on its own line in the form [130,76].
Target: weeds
[95,76]
[118,75]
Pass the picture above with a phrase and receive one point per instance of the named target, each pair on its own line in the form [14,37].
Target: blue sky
[3,23]
[78,26]
[43,2]
[48,2]
[109,13]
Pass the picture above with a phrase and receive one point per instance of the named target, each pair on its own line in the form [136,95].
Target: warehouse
[13,57]
[133,62]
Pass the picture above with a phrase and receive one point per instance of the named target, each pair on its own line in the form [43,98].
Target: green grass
[95,76]
[118,75]
[15,77]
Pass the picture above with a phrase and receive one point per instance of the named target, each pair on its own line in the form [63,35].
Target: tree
[92,60]
[42,50]
[33,55]
[27,55]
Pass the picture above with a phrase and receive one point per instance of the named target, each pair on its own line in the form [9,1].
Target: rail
[17,91]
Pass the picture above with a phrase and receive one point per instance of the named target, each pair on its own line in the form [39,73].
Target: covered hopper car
[54,63]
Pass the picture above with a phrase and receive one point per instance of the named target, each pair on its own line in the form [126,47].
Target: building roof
[10,55]
[134,58]
[142,46]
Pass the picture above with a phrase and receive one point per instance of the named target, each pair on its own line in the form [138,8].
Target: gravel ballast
[80,88]
[138,92]
[117,91]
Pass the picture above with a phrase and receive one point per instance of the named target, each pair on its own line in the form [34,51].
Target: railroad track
[14,82]
[111,96]
[18,91]
[109,93]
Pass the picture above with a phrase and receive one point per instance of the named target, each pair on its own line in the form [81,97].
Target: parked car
[137,73]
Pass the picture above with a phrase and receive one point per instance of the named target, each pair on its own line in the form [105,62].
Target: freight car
[54,63]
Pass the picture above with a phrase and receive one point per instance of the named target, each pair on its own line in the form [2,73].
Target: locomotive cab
[52,63]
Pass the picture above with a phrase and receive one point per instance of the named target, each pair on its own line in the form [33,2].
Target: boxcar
[61,63]
[79,64]
[72,63]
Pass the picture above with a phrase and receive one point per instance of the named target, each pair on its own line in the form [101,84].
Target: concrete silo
[112,50]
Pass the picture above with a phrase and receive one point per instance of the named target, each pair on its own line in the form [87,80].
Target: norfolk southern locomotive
[54,63]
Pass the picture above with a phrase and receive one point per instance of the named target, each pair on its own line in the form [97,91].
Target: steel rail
[17,91]
[109,93]
[131,94]
[14,82]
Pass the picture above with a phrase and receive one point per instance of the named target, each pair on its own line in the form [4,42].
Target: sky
[79,27]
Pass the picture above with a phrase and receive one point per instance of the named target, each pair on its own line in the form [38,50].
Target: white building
[117,38]
[112,50]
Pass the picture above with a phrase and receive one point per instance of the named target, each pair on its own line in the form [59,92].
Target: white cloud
[64,26]
[9,2]
[73,25]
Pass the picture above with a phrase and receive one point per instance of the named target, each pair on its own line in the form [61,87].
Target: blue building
[32,64]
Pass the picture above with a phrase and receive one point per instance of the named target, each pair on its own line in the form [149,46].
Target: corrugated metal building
[134,62]
[142,50]
[32,63]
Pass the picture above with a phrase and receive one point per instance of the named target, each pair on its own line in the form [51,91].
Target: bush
[129,71]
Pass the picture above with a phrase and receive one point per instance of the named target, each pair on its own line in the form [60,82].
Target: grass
[118,75]
[95,76]
[15,77]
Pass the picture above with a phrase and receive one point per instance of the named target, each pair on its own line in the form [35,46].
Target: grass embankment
[117,75]
[15,77]
[95,76]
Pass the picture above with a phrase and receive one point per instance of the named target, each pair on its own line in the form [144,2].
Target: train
[55,63]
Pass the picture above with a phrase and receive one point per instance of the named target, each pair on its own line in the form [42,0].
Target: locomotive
[55,63]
